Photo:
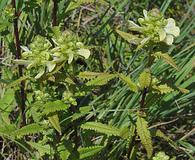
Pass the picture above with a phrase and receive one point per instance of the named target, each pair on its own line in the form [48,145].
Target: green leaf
[101,79]
[125,132]
[42,149]
[102,128]
[54,120]
[145,79]
[87,152]
[51,107]
[89,75]
[82,112]
[29,129]
[143,43]
[75,4]
[17,82]
[163,89]
[183,90]
[7,130]
[167,59]
[144,134]
[63,151]
[134,152]
[129,82]
[160,134]
[41,72]
[129,37]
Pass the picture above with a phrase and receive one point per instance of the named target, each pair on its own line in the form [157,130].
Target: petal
[133,25]
[84,52]
[24,48]
[79,44]
[26,54]
[162,35]
[170,22]
[145,13]
[51,66]
[70,58]
[32,64]
[41,72]
[169,39]
[176,31]
[170,28]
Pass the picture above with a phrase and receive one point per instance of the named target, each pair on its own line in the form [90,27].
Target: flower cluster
[155,27]
[41,58]
[68,46]
[161,156]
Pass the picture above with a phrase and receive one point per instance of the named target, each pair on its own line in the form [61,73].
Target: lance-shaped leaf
[129,82]
[129,37]
[86,152]
[29,129]
[89,75]
[163,88]
[102,128]
[101,79]
[54,120]
[17,82]
[183,90]
[144,134]
[168,59]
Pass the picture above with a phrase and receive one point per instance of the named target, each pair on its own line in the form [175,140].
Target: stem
[20,67]
[142,102]
[54,12]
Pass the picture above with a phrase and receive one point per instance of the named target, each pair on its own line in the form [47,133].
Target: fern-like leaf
[29,129]
[89,151]
[7,130]
[163,89]
[167,59]
[41,148]
[102,128]
[144,134]
[101,79]
[51,107]
[131,135]
[145,79]
[89,75]
[129,82]
[125,132]
[129,37]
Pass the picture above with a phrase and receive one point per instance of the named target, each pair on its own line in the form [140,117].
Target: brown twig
[54,12]
[188,134]
[163,123]
[20,67]
[142,102]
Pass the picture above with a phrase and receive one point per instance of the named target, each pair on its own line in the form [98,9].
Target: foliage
[92,79]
